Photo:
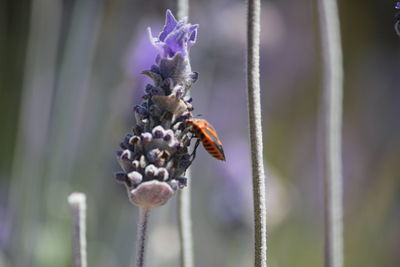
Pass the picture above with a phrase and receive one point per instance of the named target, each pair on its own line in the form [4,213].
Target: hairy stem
[141,235]
[332,127]
[77,202]
[184,214]
[254,106]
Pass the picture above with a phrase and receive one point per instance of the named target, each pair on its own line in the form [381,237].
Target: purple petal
[193,33]
[175,42]
[170,24]
[176,36]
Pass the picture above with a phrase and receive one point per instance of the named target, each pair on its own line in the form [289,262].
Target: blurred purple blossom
[232,201]
[140,56]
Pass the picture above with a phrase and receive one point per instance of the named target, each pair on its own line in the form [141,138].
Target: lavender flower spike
[155,157]
[173,45]
[175,37]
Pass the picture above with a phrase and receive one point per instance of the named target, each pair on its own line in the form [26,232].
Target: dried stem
[77,202]
[141,235]
[332,126]
[254,105]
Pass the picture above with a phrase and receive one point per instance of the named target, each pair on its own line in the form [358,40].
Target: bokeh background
[70,76]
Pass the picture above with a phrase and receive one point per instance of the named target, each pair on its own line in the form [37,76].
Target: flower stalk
[185,227]
[155,157]
[254,106]
[141,235]
[184,197]
[77,203]
[182,8]
[332,126]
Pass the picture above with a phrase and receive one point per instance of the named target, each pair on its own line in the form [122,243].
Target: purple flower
[233,200]
[172,62]
[176,37]
[155,157]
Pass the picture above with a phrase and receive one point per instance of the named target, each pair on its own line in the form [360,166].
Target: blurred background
[70,76]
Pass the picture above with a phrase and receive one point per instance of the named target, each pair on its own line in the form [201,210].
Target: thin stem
[184,202]
[77,202]
[182,8]
[185,225]
[254,105]
[332,112]
[141,235]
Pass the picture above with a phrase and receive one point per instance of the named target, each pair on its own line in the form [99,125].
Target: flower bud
[158,132]
[162,174]
[120,177]
[146,137]
[135,177]
[150,171]
[169,134]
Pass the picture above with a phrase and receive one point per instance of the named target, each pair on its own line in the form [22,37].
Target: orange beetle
[205,133]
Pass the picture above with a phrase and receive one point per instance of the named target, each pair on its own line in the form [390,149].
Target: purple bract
[176,37]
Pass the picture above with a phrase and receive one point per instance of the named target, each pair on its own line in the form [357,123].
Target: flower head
[172,62]
[155,157]
[176,37]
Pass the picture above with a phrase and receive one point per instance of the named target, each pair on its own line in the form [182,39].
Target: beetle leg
[193,155]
